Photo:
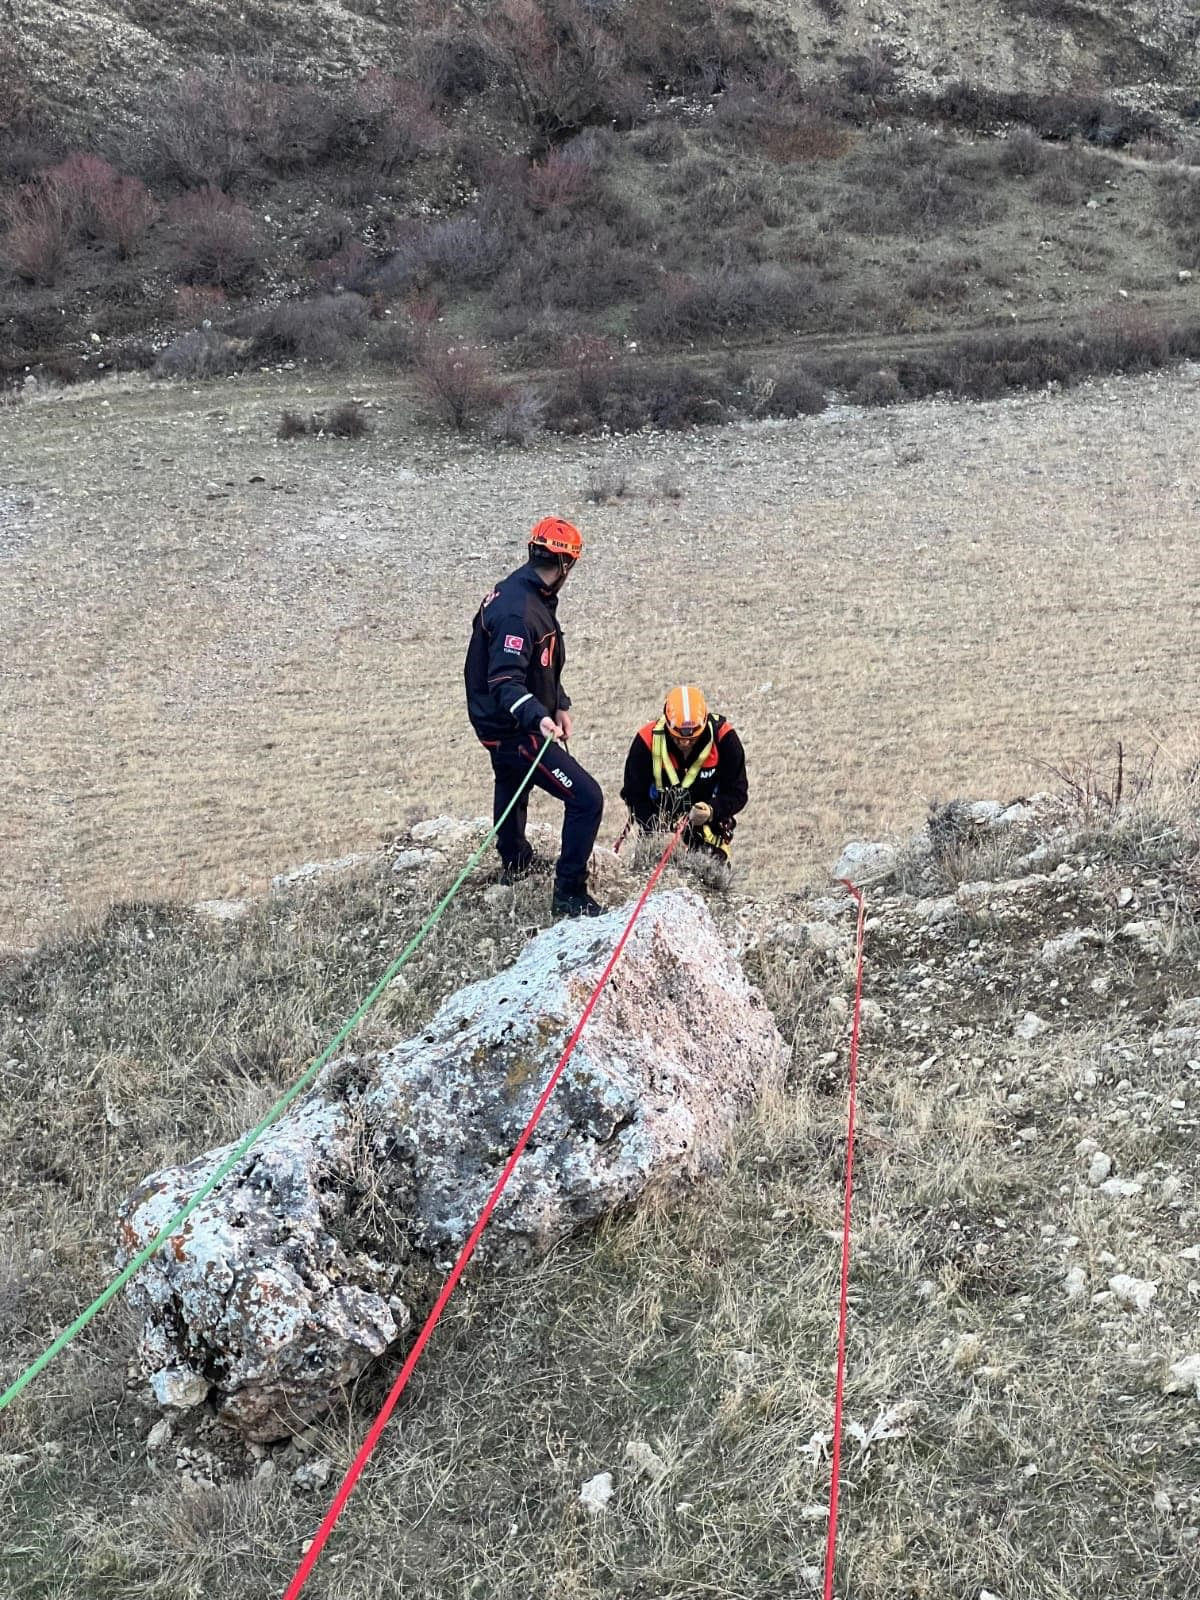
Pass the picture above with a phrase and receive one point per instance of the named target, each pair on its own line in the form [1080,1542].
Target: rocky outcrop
[290,1278]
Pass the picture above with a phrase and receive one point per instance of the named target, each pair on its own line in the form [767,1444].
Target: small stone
[178,1388]
[416,860]
[314,1474]
[863,862]
[1075,1283]
[1135,1294]
[1099,1168]
[1182,1376]
[222,910]
[1101,985]
[159,1435]
[1055,951]
[499,897]
[1121,1188]
[595,1494]
[968,1353]
[1030,1026]
[1162,1503]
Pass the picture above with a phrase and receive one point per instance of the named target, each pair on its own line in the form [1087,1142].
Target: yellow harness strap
[666,775]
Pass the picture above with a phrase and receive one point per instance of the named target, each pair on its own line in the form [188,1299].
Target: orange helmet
[686,712]
[557,538]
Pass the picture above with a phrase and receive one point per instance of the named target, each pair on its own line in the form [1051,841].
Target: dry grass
[1034,1435]
[226,655]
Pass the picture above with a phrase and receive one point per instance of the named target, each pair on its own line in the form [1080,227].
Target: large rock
[289,1278]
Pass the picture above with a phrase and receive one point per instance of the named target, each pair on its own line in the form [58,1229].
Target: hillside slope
[1023,1287]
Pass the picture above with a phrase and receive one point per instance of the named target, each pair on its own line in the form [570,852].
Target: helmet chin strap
[565,563]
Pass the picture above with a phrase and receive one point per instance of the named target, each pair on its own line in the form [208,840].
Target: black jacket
[515,659]
[722,784]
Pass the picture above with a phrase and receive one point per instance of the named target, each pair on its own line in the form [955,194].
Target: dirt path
[224,655]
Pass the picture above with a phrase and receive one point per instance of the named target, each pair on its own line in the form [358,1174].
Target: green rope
[272,1116]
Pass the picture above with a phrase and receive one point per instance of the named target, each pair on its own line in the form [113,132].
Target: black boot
[573,900]
[525,866]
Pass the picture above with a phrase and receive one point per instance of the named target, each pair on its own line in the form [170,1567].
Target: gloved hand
[700,814]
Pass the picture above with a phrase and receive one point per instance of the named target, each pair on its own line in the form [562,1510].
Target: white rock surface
[1030,1026]
[596,1493]
[312,870]
[222,910]
[1066,944]
[1135,1294]
[1184,1376]
[288,1280]
[863,862]
[416,860]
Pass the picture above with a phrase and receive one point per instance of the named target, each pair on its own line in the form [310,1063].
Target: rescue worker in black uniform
[690,761]
[515,701]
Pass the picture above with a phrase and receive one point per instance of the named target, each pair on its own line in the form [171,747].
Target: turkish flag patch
[514,643]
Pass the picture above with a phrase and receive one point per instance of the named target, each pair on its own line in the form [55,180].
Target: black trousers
[558,774]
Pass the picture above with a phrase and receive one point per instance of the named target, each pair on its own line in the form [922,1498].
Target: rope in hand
[226,1167]
[355,1469]
[843,1305]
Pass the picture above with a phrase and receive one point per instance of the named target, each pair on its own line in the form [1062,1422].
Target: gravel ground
[226,654]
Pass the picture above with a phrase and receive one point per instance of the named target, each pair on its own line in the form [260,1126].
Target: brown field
[210,678]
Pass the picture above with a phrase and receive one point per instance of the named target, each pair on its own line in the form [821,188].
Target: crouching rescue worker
[689,761]
[515,701]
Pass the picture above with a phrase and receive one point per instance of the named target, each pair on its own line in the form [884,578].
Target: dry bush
[912,186]
[871,74]
[723,300]
[517,417]
[881,388]
[17,98]
[1021,153]
[623,398]
[809,139]
[347,421]
[941,283]
[457,385]
[791,392]
[610,484]
[323,330]
[199,131]
[450,62]
[293,425]
[388,121]
[200,353]
[558,67]
[105,204]
[1178,195]
[563,179]
[466,251]
[1060,116]
[38,228]
[215,240]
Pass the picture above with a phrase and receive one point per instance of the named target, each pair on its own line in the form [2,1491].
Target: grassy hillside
[1028,1439]
[547,188]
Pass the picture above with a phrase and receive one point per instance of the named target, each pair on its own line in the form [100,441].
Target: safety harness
[666,775]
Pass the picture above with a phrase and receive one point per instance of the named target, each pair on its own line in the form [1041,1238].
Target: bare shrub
[105,204]
[450,63]
[908,186]
[517,417]
[17,99]
[347,421]
[1178,195]
[809,139]
[563,179]
[941,283]
[1022,154]
[559,68]
[793,392]
[292,425]
[200,131]
[460,250]
[348,268]
[200,353]
[880,388]
[38,227]
[723,300]
[388,120]
[457,385]
[321,330]
[196,302]
[871,74]
[215,240]
[663,141]
[610,484]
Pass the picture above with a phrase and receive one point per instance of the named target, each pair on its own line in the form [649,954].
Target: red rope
[843,1307]
[354,1472]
